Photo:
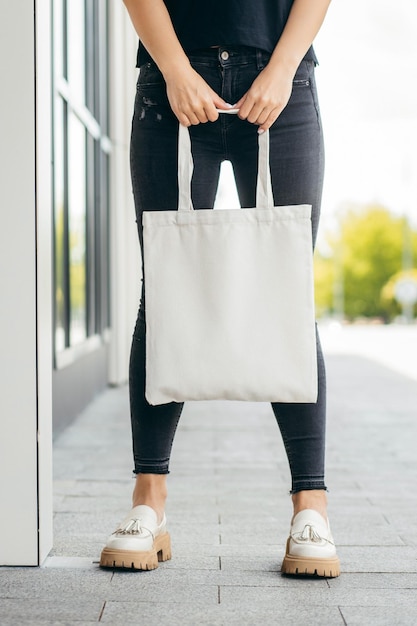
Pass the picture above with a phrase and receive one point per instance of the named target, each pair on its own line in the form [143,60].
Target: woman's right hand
[190,97]
[192,100]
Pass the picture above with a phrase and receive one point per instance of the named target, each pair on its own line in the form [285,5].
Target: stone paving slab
[91,504]
[197,534]
[92,524]
[219,577]
[192,562]
[130,614]
[372,581]
[69,562]
[378,559]
[397,615]
[94,488]
[65,584]
[142,587]
[76,546]
[6,621]
[266,561]
[69,611]
[277,596]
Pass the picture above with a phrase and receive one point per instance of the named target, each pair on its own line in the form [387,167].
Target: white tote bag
[229,297]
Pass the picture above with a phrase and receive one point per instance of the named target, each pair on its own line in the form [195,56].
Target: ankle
[315,499]
[151,489]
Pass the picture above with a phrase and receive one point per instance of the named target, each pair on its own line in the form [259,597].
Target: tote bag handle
[264,197]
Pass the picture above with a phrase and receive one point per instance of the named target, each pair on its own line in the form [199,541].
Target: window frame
[93,114]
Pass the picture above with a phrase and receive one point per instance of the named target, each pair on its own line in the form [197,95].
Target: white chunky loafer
[139,542]
[310,547]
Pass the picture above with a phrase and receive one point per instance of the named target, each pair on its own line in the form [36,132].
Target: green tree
[324,281]
[389,291]
[365,254]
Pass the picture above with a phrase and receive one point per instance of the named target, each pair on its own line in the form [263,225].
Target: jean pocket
[303,74]
[301,82]
[149,76]
[313,89]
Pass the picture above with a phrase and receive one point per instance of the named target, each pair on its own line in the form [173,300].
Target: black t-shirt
[205,23]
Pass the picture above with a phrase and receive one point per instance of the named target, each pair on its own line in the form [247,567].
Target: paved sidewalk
[229,514]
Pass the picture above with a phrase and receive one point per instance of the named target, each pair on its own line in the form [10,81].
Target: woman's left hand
[266,99]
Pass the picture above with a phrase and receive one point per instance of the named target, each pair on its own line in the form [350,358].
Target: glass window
[60,228]
[59,36]
[77,229]
[81,168]
[76,49]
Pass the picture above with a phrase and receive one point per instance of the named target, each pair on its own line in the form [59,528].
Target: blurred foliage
[363,257]
[77,269]
[59,266]
[388,293]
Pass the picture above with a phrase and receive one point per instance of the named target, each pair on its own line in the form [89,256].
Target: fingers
[272,117]
[261,112]
[206,111]
[219,103]
[264,102]
[193,101]
[191,114]
[197,116]
[263,116]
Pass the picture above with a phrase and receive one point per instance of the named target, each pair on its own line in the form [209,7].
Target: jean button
[224,55]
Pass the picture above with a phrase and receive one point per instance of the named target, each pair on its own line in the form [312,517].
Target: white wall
[124,247]
[44,285]
[26,264]
[25,238]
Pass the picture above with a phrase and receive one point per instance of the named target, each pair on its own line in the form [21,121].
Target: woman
[195,58]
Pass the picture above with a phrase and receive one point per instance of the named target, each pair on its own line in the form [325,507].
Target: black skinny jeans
[297,162]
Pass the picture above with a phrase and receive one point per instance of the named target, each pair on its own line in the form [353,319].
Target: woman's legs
[153,429]
[153,158]
[303,426]
[297,166]
[154,168]
[297,173]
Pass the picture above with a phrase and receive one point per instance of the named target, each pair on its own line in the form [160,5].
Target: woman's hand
[271,90]
[267,98]
[191,98]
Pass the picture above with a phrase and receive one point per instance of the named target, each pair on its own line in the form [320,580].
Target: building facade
[70,272]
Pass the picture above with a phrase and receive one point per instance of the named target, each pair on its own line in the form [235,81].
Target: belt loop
[259,63]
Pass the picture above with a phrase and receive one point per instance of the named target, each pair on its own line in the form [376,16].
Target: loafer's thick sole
[130,559]
[309,566]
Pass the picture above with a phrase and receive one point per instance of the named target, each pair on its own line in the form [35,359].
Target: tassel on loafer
[139,542]
[310,547]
